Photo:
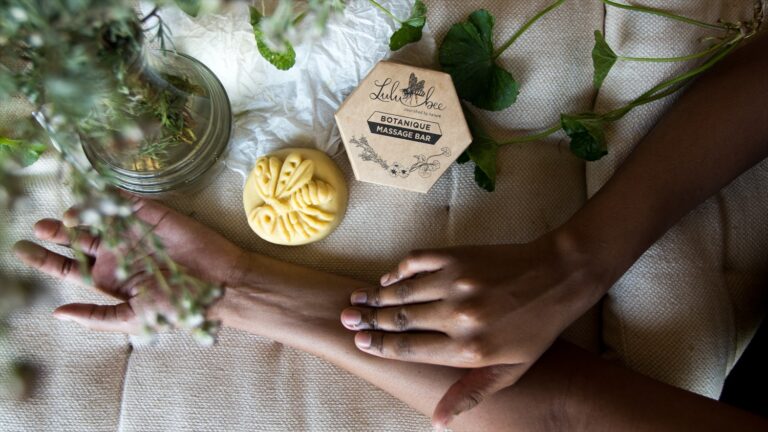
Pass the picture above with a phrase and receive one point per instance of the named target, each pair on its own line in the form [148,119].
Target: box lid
[403,126]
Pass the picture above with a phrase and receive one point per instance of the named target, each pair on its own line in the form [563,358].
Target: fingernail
[441,425]
[363,340]
[70,219]
[359,297]
[44,228]
[351,317]
[385,279]
[28,250]
[62,317]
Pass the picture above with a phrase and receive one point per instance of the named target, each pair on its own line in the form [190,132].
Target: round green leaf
[603,59]
[282,60]
[411,29]
[467,54]
[587,135]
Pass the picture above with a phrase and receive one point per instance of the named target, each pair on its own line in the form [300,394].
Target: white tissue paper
[275,109]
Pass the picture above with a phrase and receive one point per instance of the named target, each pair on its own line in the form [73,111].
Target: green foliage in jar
[77,65]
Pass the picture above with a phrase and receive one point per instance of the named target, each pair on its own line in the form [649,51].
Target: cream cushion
[683,314]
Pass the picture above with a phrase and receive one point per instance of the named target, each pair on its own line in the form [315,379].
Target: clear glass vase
[176,124]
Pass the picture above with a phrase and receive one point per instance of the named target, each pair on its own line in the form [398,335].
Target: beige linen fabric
[100,382]
[687,309]
[540,186]
[80,372]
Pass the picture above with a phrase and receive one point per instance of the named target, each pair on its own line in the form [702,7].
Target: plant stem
[525,27]
[385,10]
[299,18]
[620,112]
[653,94]
[534,137]
[666,15]
[673,59]
[726,48]
[150,15]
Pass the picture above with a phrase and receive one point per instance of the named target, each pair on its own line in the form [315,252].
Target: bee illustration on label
[415,87]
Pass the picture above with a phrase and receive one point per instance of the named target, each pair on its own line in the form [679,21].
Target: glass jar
[180,134]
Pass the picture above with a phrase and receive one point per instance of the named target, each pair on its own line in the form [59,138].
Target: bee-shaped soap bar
[294,197]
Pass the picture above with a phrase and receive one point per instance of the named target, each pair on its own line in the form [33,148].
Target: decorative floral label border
[424,165]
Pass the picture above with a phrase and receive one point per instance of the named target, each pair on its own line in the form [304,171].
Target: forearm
[567,389]
[605,396]
[300,308]
[716,130]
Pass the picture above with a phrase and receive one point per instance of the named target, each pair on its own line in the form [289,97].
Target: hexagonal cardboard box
[403,126]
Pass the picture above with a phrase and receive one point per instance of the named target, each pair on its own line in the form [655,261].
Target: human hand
[202,252]
[494,309]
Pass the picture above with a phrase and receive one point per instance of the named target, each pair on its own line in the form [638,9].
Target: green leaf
[410,30]
[282,60]
[587,135]
[603,59]
[190,7]
[482,151]
[467,54]
[24,153]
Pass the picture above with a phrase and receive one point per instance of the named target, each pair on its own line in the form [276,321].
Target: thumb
[473,388]
[118,318]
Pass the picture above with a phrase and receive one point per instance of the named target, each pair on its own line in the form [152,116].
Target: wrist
[271,297]
[588,258]
[234,305]
[232,309]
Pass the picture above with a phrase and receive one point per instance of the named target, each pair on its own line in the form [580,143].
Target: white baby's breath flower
[18,14]
[186,302]
[193,320]
[203,337]
[90,217]
[35,40]
[124,211]
[132,132]
[108,207]
[57,121]
[121,273]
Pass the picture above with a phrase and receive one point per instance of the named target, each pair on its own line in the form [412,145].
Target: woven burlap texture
[682,314]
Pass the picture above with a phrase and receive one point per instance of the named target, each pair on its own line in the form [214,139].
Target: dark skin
[552,280]
[468,298]
[567,389]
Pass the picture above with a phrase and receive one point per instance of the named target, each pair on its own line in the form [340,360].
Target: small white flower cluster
[187,313]
[104,207]
[18,14]
[280,27]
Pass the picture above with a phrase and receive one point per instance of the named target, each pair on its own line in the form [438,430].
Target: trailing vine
[467,53]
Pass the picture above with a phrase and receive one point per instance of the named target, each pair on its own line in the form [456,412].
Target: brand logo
[413,96]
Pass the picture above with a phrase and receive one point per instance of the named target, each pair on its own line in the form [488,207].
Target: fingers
[55,231]
[118,318]
[432,347]
[414,290]
[149,211]
[48,262]
[428,316]
[472,389]
[416,262]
